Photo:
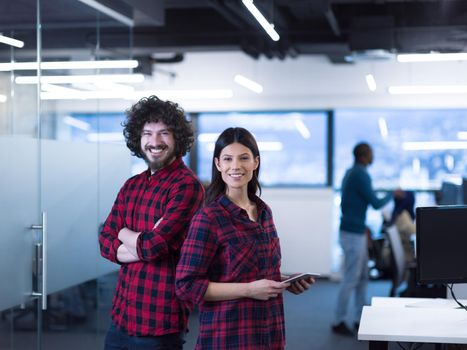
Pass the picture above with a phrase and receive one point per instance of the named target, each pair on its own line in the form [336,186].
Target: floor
[308,320]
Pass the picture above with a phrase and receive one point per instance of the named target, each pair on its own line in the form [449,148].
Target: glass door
[80,178]
[22,226]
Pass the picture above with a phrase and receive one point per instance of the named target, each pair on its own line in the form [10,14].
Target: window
[292,145]
[102,127]
[413,149]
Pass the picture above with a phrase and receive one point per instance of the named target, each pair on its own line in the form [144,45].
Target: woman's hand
[300,286]
[265,289]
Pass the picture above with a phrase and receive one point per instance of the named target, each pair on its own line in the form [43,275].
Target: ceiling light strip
[77,123]
[434,145]
[113,64]
[109,12]
[10,41]
[383,128]
[302,129]
[268,27]
[432,57]
[3,98]
[248,83]
[136,95]
[371,82]
[427,89]
[74,79]
[59,89]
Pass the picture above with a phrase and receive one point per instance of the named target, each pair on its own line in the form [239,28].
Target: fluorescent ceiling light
[73,79]
[302,129]
[83,95]
[371,82]
[383,128]
[84,86]
[273,146]
[10,41]
[76,123]
[434,145]
[449,162]
[136,95]
[416,165]
[249,84]
[3,98]
[432,57]
[462,135]
[427,89]
[109,12]
[69,65]
[58,89]
[186,94]
[268,27]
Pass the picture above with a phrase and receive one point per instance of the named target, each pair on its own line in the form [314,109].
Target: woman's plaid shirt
[224,245]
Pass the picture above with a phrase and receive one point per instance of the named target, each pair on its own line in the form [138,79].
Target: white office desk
[389,319]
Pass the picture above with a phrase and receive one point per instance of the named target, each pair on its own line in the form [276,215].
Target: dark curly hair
[152,110]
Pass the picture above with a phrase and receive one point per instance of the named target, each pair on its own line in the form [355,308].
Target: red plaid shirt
[224,245]
[145,301]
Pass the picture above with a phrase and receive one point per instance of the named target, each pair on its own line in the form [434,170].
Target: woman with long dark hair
[230,261]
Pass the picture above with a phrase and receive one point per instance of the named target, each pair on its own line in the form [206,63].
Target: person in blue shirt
[357,195]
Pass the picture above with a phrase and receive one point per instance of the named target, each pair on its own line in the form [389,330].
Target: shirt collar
[167,170]
[235,209]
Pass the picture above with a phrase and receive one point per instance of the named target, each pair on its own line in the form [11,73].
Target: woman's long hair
[228,137]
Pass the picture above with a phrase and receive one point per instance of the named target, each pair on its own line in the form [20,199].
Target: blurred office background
[332,80]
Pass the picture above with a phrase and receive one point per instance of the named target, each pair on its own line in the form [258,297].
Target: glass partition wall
[20,205]
[57,190]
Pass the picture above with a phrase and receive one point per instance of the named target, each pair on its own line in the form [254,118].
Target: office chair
[397,260]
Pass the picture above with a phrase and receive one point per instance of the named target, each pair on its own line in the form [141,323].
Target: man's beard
[160,163]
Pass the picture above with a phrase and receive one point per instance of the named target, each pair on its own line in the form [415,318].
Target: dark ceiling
[335,28]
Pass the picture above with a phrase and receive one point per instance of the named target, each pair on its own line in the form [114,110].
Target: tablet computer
[300,276]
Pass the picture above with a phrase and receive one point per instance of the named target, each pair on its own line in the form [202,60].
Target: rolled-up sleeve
[184,201]
[197,253]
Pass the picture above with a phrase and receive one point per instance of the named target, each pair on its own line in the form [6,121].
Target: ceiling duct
[372,33]
[146,63]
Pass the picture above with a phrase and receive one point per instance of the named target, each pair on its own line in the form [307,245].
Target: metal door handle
[41,256]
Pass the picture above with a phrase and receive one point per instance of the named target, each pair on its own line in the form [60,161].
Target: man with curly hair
[146,228]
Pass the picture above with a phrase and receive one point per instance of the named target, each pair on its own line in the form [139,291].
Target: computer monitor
[451,194]
[441,244]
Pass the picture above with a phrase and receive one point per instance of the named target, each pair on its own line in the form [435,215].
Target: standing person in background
[357,194]
[230,261]
[146,228]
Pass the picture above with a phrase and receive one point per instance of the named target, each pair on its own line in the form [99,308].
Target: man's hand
[129,239]
[398,193]
[124,255]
